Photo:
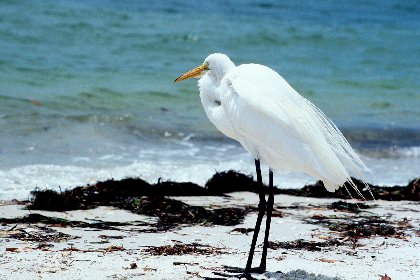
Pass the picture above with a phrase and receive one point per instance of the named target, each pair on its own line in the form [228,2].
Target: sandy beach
[311,238]
[106,164]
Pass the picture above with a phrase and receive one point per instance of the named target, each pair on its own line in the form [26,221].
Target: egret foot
[240,273]
[244,275]
[232,269]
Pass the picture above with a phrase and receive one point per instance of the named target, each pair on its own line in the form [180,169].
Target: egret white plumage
[255,106]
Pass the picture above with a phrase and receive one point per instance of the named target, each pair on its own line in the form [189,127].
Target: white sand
[398,258]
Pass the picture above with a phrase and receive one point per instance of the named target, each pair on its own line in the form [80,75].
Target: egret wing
[264,101]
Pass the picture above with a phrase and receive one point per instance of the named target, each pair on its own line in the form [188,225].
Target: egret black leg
[270,203]
[261,210]
[262,206]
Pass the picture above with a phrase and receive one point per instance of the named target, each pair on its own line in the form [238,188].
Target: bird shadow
[298,274]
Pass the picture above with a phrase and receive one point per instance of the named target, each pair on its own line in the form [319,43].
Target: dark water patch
[381,105]
[407,7]
[385,139]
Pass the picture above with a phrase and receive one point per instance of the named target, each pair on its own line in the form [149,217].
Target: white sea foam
[409,152]
[192,166]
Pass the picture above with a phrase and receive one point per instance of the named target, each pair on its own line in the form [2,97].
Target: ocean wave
[177,166]
[393,152]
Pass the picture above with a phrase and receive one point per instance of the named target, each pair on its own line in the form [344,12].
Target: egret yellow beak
[195,73]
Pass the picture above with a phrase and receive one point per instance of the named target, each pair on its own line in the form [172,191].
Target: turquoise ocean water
[87,92]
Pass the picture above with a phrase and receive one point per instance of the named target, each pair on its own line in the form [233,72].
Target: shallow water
[87,88]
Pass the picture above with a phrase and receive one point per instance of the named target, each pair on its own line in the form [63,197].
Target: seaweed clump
[355,229]
[392,193]
[140,197]
[174,212]
[110,193]
[182,249]
[348,207]
[301,244]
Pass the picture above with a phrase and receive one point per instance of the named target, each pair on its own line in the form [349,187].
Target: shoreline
[195,232]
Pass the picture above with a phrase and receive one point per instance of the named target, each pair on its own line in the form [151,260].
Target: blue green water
[87,87]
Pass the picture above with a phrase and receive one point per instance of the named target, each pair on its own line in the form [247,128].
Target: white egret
[255,106]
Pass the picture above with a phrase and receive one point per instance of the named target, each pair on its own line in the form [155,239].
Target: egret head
[217,65]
